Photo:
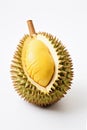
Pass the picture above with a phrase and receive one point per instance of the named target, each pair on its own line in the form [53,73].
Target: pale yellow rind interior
[38,63]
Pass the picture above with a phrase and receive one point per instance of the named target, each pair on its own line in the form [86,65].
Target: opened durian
[41,68]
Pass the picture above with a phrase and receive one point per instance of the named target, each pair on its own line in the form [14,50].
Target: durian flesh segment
[37,61]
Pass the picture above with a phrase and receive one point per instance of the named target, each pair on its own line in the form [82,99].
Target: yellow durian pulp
[38,61]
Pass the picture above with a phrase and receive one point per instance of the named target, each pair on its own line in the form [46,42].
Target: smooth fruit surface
[38,61]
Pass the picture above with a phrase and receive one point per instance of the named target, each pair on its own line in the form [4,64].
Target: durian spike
[31,27]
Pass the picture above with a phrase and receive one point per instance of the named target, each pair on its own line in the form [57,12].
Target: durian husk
[29,91]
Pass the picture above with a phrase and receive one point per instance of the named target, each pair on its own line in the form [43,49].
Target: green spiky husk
[30,92]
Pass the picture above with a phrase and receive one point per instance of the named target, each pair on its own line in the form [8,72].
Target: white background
[66,19]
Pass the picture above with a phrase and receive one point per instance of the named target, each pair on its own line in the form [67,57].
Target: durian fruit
[41,68]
